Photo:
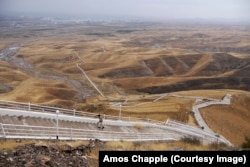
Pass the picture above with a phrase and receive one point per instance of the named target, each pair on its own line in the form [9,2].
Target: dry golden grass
[155,146]
[42,91]
[12,144]
[10,75]
[141,82]
[144,106]
[113,145]
[55,56]
[230,121]
[217,94]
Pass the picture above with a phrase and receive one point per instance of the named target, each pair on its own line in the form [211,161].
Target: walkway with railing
[163,131]
[226,100]
[52,110]
[42,132]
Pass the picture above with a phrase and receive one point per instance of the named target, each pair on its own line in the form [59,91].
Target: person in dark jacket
[100,122]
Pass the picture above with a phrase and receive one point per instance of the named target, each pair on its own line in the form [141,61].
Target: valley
[131,64]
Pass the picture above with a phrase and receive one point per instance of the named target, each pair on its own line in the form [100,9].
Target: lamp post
[57,113]
[120,111]
[217,140]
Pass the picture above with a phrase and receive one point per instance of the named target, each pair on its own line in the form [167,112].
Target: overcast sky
[169,9]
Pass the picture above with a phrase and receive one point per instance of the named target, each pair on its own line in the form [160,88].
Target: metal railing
[196,130]
[48,109]
[23,131]
[43,132]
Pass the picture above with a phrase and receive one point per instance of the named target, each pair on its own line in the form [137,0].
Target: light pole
[217,140]
[120,111]
[57,113]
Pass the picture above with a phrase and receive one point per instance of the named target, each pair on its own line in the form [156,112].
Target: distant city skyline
[158,9]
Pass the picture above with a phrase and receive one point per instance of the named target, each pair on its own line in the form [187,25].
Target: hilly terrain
[130,63]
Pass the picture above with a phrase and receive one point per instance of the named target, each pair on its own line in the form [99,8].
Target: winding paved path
[170,131]
[226,100]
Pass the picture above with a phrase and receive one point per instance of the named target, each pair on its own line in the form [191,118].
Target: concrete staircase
[20,121]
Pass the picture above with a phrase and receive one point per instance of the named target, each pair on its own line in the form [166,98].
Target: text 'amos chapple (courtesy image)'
[173,158]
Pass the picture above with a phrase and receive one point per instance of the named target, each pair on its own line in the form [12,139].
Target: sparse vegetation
[191,140]
[218,146]
[115,145]
[94,107]
[246,144]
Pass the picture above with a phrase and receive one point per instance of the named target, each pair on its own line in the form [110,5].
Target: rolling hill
[130,64]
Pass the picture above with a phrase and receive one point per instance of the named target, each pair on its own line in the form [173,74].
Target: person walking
[100,122]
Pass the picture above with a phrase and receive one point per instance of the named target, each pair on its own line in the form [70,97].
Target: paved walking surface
[172,130]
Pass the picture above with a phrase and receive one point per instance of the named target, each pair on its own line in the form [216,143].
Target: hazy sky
[169,9]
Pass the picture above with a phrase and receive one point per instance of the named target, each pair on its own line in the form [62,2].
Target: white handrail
[48,109]
[36,131]
[177,128]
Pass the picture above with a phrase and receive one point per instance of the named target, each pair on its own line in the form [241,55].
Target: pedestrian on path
[100,122]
